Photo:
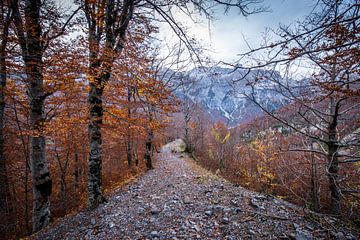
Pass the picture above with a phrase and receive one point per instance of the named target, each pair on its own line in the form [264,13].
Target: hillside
[180,200]
[220,91]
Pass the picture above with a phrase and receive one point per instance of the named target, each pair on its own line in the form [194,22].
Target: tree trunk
[128,139]
[333,176]
[76,170]
[332,157]
[30,41]
[187,117]
[63,193]
[113,26]
[42,182]
[187,141]
[333,180]
[135,154]
[148,147]
[26,193]
[96,113]
[129,150]
[314,185]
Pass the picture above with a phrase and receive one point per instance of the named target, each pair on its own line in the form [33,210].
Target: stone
[302,234]
[234,202]
[140,210]
[238,210]
[209,213]
[154,234]
[349,236]
[226,210]
[339,236]
[93,221]
[155,210]
[260,197]
[218,207]
[253,202]
[187,200]
[196,227]
[225,220]
[252,232]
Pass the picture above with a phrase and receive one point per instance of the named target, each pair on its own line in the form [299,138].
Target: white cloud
[226,36]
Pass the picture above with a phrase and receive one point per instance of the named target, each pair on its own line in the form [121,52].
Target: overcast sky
[227,33]
[225,36]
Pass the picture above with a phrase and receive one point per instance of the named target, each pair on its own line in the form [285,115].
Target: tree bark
[63,194]
[29,38]
[332,157]
[128,137]
[76,170]
[135,154]
[129,149]
[39,167]
[333,180]
[314,184]
[148,147]
[114,26]
[187,118]
[95,162]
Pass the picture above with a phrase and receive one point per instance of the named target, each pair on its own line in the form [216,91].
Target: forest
[89,93]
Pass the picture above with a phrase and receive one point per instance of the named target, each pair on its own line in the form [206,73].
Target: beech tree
[328,42]
[107,22]
[30,20]
[157,104]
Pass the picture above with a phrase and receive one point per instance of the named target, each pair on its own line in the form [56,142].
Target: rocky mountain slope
[221,91]
[180,200]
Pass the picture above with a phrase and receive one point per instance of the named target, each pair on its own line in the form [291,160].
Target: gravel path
[180,200]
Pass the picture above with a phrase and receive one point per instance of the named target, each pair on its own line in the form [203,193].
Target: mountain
[222,92]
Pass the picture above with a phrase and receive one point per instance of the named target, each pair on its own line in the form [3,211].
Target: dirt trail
[180,200]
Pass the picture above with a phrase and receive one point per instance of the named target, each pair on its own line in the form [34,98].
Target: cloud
[226,37]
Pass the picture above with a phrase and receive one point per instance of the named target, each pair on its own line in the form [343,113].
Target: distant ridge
[220,91]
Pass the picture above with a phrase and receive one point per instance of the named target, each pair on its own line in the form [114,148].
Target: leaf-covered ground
[180,200]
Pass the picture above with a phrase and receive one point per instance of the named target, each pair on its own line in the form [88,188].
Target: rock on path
[180,200]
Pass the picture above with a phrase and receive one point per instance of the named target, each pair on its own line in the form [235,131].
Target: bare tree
[107,20]
[29,20]
[327,42]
